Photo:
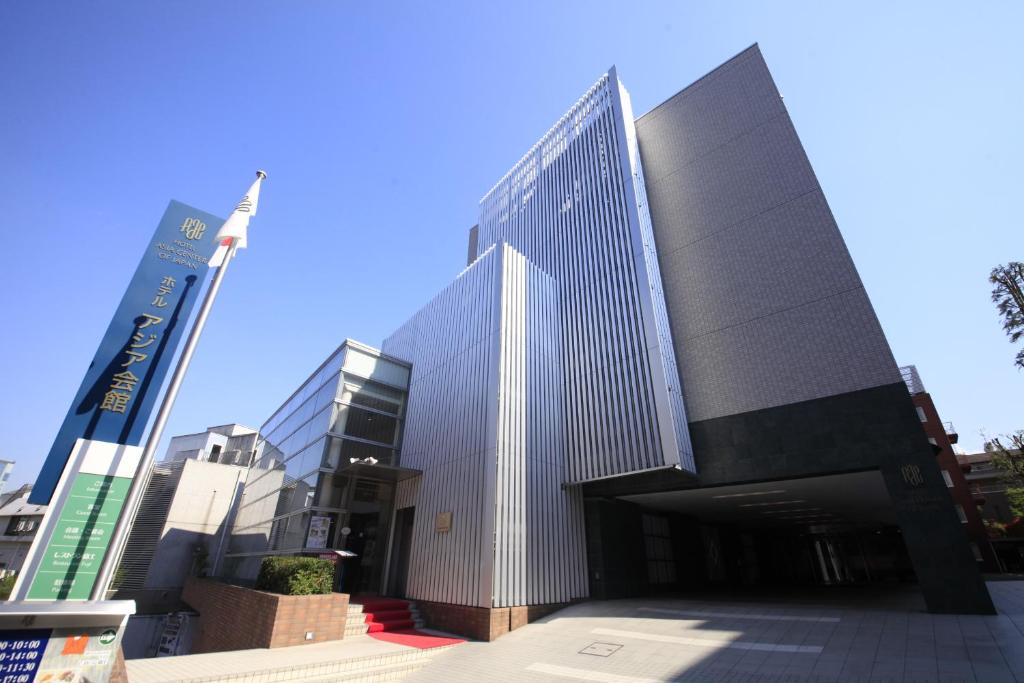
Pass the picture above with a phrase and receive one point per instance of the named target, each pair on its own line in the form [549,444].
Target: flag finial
[233,234]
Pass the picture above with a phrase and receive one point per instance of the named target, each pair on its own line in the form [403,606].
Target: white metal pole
[138,488]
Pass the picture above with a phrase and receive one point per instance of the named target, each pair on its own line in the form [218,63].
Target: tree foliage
[1008,296]
[296,576]
[6,586]
[1008,456]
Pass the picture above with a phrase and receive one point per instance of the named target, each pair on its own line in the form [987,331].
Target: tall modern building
[659,371]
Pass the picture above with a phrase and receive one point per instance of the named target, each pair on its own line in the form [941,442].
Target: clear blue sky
[382,124]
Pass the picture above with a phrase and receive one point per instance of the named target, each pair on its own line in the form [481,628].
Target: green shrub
[6,586]
[296,576]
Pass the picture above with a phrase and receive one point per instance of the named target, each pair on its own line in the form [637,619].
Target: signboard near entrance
[21,652]
[80,540]
[121,385]
[60,643]
[77,530]
[443,522]
[319,526]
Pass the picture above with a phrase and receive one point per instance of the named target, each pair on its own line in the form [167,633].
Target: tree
[1008,296]
[1008,456]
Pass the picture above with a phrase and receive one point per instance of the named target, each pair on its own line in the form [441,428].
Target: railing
[912,379]
[951,432]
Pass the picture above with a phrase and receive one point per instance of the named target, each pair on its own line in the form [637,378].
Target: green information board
[74,554]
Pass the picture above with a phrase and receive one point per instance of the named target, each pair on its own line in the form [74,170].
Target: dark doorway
[399,573]
[364,533]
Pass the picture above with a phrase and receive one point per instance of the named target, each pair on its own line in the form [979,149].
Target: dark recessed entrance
[827,531]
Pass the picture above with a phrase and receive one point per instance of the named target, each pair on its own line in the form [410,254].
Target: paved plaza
[840,636]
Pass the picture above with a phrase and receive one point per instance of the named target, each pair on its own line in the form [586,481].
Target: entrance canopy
[854,499]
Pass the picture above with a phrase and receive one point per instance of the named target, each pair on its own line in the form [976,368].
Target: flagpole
[141,479]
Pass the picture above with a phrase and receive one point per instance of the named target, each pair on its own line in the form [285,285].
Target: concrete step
[377,674]
[417,618]
[359,628]
[357,618]
[384,667]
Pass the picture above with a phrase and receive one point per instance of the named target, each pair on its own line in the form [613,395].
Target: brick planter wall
[481,623]
[237,618]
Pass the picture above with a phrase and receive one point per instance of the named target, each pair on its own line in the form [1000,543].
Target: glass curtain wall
[298,497]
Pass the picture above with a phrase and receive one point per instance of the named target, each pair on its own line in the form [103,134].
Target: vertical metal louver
[149,525]
[485,425]
[575,206]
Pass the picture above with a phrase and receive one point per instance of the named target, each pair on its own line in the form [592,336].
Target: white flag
[236,227]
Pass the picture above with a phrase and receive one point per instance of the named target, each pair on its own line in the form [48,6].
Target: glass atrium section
[322,477]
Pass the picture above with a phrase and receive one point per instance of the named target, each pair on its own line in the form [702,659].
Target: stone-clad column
[946,569]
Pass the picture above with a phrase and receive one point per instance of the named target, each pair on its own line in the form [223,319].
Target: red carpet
[385,614]
[390,619]
[414,638]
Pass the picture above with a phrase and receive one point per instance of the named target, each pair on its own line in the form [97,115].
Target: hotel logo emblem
[912,475]
[193,228]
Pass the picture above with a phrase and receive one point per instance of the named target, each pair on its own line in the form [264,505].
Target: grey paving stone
[869,642]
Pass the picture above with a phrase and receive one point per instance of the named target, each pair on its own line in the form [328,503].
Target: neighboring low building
[988,485]
[182,527]
[230,444]
[942,436]
[19,522]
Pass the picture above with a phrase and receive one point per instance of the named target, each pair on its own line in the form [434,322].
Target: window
[948,479]
[372,395]
[215,453]
[960,513]
[364,424]
[20,525]
[920,414]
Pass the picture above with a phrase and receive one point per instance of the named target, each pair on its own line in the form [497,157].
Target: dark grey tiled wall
[766,305]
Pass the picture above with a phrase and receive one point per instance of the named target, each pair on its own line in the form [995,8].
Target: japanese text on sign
[122,384]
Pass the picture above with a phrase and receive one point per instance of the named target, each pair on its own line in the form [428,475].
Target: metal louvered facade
[485,426]
[576,207]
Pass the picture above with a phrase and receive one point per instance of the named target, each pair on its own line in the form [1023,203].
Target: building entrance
[398,572]
[364,532]
[826,531]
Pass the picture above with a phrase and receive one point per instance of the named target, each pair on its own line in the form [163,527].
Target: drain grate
[601,649]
